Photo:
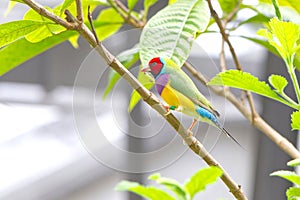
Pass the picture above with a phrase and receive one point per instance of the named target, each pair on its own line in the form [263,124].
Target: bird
[181,94]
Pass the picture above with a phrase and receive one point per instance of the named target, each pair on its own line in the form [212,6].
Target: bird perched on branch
[180,93]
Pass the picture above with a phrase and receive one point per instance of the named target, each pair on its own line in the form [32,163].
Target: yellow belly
[175,98]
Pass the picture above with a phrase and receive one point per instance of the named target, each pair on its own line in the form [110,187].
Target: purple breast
[160,82]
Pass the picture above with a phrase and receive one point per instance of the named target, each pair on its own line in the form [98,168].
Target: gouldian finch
[181,94]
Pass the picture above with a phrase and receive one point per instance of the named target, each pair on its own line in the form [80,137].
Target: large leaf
[22,50]
[296,120]
[171,184]
[246,81]
[288,175]
[47,30]
[11,31]
[151,193]
[293,193]
[170,33]
[201,179]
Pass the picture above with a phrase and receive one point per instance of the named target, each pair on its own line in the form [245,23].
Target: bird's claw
[168,108]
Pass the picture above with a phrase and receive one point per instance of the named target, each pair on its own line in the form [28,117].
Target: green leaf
[296,120]
[171,1]
[11,31]
[201,179]
[273,50]
[148,4]
[294,163]
[267,9]
[288,3]
[259,18]
[127,58]
[170,33]
[111,21]
[11,5]
[151,193]
[20,1]
[65,5]
[171,184]
[42,32]
[228,6]
[263,43]
[74,41]
[288,175]
[292,193]
[135,96]
[246,81]
[131,4]
[278,82]
[22,50]
[283,36]
[297,60]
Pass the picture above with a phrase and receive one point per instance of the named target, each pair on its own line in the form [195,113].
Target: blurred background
[52,112]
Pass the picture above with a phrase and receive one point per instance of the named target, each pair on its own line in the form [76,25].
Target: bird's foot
[169,108]
[192,125]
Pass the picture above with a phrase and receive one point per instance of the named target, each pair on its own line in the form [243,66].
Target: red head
[155,66]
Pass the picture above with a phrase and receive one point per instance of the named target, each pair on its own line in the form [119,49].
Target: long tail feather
[230,136]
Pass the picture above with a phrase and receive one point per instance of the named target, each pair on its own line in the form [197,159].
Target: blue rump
[206,114]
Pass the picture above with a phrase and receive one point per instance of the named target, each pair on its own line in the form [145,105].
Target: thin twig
[154,102]
[222,57]
[90,18]
[125,14]
[138,23]
[254,113]
[233,53]
[79,10]
[224,35]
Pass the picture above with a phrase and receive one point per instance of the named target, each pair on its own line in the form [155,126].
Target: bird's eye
[153,64]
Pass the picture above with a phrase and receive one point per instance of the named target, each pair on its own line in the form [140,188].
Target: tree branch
[149,98]
[44,12]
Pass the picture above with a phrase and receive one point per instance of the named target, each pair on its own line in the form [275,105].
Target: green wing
[180,81]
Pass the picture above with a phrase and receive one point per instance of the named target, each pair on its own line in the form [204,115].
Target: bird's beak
[145,69]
